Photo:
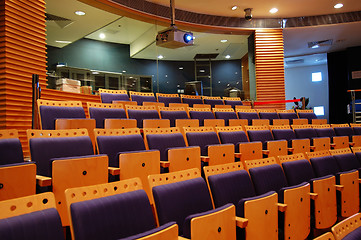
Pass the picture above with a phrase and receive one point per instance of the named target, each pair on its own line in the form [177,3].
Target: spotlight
[188,37]
[248,14]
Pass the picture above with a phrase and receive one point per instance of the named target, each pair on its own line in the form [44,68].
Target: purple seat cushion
[140,115]
[289,116]
[173,115]
[233,103]
[110,97]
[347,162]
[268,178]
[112,145]
[269,115]
[112,217]
[234,138]
[262,135]
[307,115]
[226,116]
[344,131]
[100,114]
[213,102]
[44,149]
[202,139]
[11,151]
[44,224]
[357,130]
[305,133]
[284,134]
[176,201]
[163,142]
[192,101]
[140,99]
[150,232]
[298,172]
[230,187]
[323,166]
[167,100]
[354,235]
[248,115]
[325,132]
[49,114]
[201,116]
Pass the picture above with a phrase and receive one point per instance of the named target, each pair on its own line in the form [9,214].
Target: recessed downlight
[160,57]
[79,13]
[234,8]
[228,56]
[224,40]
[338,5]
[273,10]
[102,35]
[61,41]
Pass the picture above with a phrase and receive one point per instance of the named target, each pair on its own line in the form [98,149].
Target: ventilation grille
[295,61]
[60,21]
[323,43]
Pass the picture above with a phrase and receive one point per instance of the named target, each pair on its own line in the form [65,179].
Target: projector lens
[187,37]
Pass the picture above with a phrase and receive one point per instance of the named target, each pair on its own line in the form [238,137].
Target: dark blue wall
[97,55]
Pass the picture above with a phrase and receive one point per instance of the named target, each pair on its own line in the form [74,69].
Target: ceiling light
[338,5]
[315,46]
[160,57]
[234,8]
[224,40]
[228,56]
[102,35]
[80,13]
[180,68]
[60,41]
[273,10]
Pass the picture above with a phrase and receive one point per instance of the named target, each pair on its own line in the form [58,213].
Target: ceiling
[141,35]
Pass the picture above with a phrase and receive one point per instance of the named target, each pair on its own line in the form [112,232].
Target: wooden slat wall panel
[22,53]
[270,81]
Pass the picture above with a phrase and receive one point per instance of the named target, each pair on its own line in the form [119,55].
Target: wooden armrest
[204,158]
[43,181]
[282,207]
[332,145]
[339,187]
[182,238]
[312,148]
[265,152]
[238,155]
[313,196]
[291,150]
[241,222]
[351,144]
[359,180]
[164,164]
[113,171]
[27,159]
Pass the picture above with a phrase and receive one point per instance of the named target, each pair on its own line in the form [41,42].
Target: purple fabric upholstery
[344,131]
[248,115]
[284,134]
[268,178]
[233,103]
[167,100]
[112,217]
[188,220]
[39,225]
[44,149]
[154,230]
[173,115]
[140,115]
[347,162]
[358,155]
[325,132]
[298,172]
[49,114]
[269,115]
[201,116]
[163,142]
[202,139]
[11,151]
[357,130]
[240,204]
[140,99]
[176,201]
[230,187]
[308,115]
[192,101]
[323,166]
[305,133]
[354,235]
[111,145]
[262,135]
[110,97]
[234,138]
[226,116]
[100,114]
[289,116]
[213,102]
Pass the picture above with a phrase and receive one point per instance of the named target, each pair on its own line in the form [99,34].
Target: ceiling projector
[174,38]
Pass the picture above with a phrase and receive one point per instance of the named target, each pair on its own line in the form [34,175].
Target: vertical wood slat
[270,81]
[23,53]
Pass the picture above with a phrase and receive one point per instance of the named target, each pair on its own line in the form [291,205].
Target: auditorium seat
[310,116]
[33,217]
[64,159]
[233,101]
[287,114]
[141,97]
[102,111]
[295,145]
[213,101]
[267,176]
[317,143]
[225,113]
[141,112]
[108,96]
[191,99]
[325,130]
[10,147]
[269,114]
[183,197]
[173,113]
[201,114]
[170,142]
[323,192]
[346,130]
[348,229]
[168,98]
[230,183]
[119,210]
[346,160]
[249,114]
